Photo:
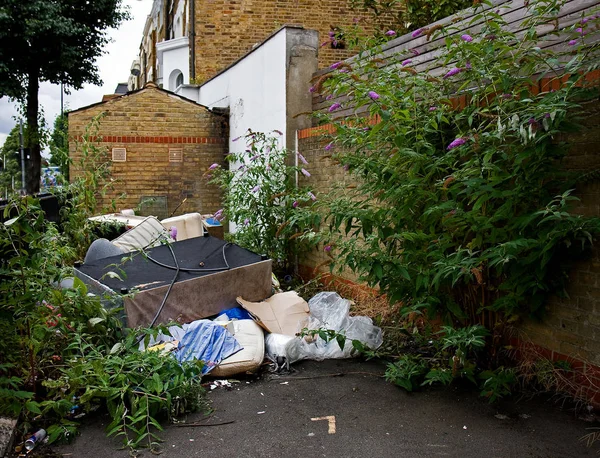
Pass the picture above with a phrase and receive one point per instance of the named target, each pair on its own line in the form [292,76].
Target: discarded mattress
[213,273]
[251,337]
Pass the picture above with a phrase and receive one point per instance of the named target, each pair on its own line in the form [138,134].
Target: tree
[11,162]
[59,144]
[49,40]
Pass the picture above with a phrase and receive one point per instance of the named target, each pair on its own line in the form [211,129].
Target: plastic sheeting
[204,340]
[327,311]
[208,342]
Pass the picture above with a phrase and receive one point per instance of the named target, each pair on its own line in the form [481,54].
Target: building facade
[190,41]
[157,145]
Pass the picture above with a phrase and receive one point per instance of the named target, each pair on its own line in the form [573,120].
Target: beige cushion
[188,225]
[250,336]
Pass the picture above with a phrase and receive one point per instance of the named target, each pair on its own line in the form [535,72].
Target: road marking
[330,419]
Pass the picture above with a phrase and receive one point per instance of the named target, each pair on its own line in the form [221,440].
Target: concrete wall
[148,124]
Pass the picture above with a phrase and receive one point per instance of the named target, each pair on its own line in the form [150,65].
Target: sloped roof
[147,86]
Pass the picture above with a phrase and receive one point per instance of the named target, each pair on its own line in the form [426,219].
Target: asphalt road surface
[316,413]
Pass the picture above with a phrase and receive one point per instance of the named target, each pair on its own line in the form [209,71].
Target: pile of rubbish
[284,328]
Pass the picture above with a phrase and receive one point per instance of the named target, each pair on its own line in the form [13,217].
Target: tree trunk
[32,137]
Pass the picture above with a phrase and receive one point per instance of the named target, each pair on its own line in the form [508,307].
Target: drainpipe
[192,39]
[296,261]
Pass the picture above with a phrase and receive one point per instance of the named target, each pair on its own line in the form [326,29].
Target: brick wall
[227,29]
[572,326]
[148,123]
[571,329]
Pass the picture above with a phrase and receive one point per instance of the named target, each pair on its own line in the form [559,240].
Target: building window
[119,155]
[175,154]
[175,80]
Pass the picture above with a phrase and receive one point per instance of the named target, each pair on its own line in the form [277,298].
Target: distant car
[51,177]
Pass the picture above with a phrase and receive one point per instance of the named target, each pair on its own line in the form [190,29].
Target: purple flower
[457,142]
[390,33]
[579,30]
[334,107]
[417,32]
[241,167]
[329,146]
[585,20]
[278,132]
[331,34]
[572,42]
[432,108]
[335,65]
[532,122]
[213,166]
[507,96]
[312,196]
[255,157]
[334,43]
[466,37]
[374,95]
[329,97]
[468,65]
[246,222]
[256,188]
[406,62]
[312,89]
[173,232]
[295,204]
[305,172]
[302,158]
[218,214]
[454,71]
[415,52]
[546,115]
[327,248]
[237,138]
[347,167]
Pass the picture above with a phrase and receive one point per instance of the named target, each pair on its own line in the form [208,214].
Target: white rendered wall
[173,55]
[254,89]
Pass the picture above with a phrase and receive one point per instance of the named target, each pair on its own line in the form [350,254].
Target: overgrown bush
[261,197]
[63,353]
[463,211]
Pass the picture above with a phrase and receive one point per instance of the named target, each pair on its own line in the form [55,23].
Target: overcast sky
[114,68]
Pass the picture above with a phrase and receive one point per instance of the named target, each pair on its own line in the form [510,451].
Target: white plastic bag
[328,311]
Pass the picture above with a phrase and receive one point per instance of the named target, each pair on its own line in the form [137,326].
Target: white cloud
[114,68]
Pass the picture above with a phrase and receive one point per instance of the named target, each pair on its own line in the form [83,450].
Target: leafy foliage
[59,144]
[46,40]
[261,197]
[463,212]
[409,15]
[63,353]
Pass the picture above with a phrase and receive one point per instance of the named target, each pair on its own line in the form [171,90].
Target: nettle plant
[261,197]
[463,211]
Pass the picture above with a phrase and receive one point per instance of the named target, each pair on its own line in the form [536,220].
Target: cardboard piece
[280,313]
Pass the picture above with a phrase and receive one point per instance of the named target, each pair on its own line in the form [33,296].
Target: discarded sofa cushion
[250,336]
[282,313]
[207,341]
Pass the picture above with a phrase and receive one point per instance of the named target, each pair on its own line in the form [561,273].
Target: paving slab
[7,434]
[315,412]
